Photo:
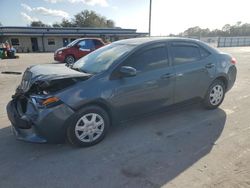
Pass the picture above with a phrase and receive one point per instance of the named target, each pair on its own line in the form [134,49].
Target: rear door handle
[166,76]
[209,65]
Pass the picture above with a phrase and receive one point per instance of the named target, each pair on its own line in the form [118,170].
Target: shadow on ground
[144,153]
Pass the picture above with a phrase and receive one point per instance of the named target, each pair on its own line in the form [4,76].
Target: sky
[168,16]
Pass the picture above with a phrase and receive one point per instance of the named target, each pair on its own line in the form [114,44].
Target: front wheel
[215,95]
[89,127]
[69,60]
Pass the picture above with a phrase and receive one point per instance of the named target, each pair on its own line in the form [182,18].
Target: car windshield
[72,43]
[102,58]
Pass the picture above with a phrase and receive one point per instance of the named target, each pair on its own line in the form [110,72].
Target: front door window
[86,45]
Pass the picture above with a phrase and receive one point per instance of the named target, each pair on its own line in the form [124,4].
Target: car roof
[91,38]
[143,40]
[147,40]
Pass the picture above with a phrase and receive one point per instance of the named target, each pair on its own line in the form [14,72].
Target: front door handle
[166,76]
[209,65]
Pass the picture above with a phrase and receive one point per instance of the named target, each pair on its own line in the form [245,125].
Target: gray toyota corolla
[117,82]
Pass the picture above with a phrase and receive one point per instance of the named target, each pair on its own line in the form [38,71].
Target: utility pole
[149,25]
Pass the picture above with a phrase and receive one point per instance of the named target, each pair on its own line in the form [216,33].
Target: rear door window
[185,53]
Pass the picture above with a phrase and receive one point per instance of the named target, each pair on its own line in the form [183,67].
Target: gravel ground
[186,147]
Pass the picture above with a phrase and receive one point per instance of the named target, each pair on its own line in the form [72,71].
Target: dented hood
[54,71]
[49,73]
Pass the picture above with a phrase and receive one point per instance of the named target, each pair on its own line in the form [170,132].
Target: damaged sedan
[120,81]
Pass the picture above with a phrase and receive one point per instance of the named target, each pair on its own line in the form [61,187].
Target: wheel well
[223,79]
[103,106]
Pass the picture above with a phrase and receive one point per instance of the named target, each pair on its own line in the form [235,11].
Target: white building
[48,39]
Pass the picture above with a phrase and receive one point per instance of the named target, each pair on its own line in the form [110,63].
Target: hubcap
[216,95]
[70,60]
[89,127]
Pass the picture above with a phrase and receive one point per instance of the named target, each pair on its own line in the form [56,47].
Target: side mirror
[127,71]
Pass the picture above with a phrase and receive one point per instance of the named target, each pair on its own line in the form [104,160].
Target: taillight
[233,61]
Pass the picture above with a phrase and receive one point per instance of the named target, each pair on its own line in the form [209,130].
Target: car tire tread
[206,100]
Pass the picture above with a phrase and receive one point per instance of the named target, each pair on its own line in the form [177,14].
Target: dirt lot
[188,147]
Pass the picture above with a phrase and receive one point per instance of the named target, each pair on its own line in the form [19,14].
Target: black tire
[73,134]
[69,60]
[210,102]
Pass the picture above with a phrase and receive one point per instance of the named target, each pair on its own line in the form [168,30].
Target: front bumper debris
[22,125]
[39,125]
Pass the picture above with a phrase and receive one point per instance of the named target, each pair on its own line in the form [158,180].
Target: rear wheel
[215,95]
[69,60]
[89,127]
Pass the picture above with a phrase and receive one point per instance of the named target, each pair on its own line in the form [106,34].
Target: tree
[226,29]
[87,18]
[67,23]
[38,24]
[110,23]
[238,29]
[56,25]
[245,29]
[238,23]
[193,31]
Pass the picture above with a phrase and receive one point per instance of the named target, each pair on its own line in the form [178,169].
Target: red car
[77,49]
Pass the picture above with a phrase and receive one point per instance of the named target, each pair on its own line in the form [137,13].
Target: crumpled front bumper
[39,125]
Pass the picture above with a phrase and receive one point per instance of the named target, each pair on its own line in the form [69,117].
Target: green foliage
[110,23]
[227,30]
[38,24]
[56,25]
[87,18]
[67,23]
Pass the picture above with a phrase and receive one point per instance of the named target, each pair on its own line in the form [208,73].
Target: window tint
[86,44]
[185,53]
[97,43]
[204,53]
[15,42]
[51,41]
[151,59]
[82,43]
